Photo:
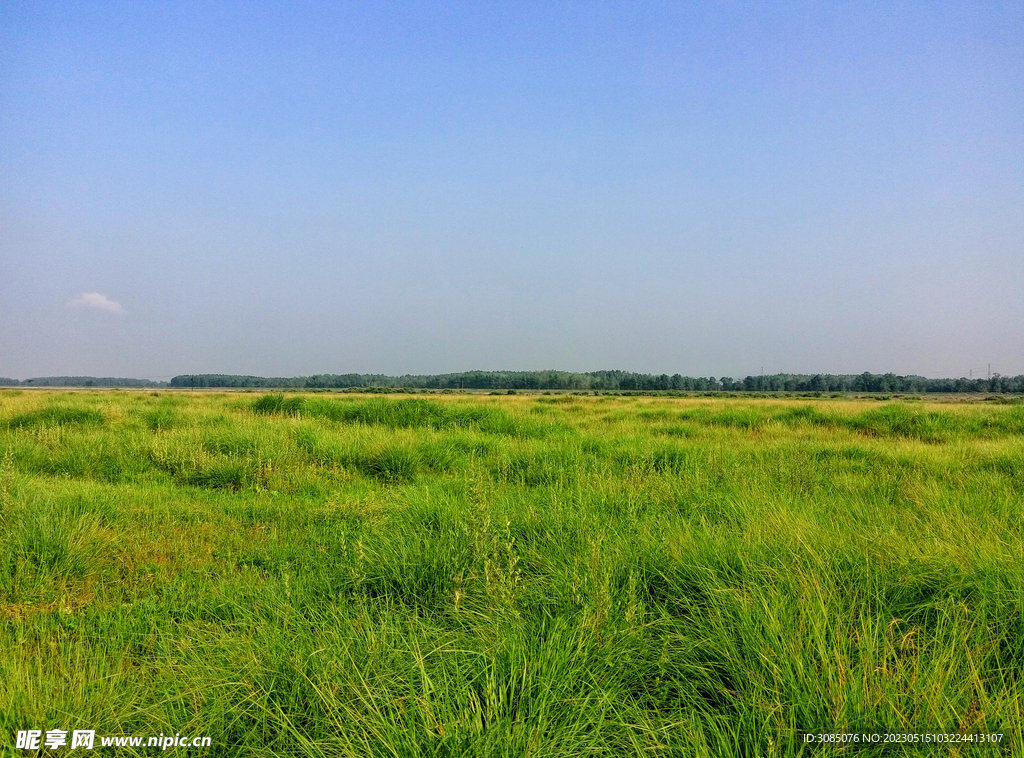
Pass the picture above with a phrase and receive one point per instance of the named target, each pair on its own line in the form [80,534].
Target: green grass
[511,576]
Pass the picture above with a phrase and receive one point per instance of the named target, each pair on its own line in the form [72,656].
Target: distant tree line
[598,381]
[79,381]
[616,381]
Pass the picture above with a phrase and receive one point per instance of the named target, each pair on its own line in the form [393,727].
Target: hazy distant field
[526,575]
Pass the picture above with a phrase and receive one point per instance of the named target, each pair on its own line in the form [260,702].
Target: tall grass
[470,576]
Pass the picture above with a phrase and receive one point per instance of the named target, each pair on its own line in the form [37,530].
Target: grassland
[511,576]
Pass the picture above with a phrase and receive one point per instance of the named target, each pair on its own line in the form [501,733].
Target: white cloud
[96,300]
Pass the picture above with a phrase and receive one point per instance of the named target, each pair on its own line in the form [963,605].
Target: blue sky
[294,188]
